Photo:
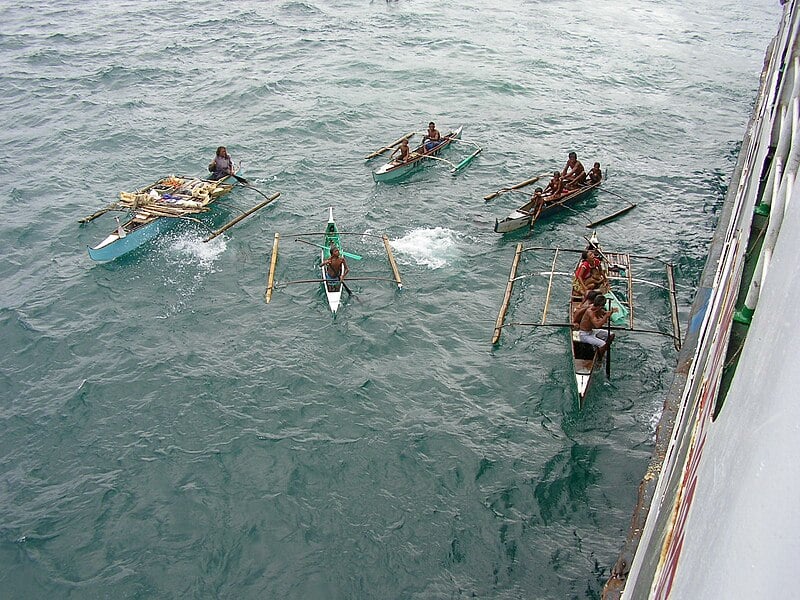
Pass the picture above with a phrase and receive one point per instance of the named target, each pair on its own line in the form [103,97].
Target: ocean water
[165,433]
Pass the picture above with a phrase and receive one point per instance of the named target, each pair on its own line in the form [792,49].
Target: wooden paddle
[390,146]
[240,179]
[348,290]
[513,187]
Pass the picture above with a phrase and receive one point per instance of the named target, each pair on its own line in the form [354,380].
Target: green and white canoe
[333,288]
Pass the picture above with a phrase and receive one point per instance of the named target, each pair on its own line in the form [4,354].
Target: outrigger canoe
[525,215]
[394,170]
[333,288]
[617,266]
[155,209]
[584,356]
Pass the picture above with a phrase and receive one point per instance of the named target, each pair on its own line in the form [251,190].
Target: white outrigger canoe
[332,287]
[395,170]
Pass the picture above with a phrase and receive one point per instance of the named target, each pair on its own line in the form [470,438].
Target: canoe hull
[332,292]
[584,358]
[137,233]
[395,171]
[114,246]
[522,217]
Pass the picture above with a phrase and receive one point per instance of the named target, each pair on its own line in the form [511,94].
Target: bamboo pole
[392,263]
[242,216]
[513,187]
[498,325]
[392,145]
[673,304]
[100,212]
[611,216]
[549,287]
[629,274]
[271,275]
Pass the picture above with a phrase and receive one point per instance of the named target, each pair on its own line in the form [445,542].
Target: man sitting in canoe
[555,189]
[595,174]
[573,175]
[588,300]
[404,151]
[432,137]
[589,274]
[537,203]
[591,322]
[222,165]
[336,268]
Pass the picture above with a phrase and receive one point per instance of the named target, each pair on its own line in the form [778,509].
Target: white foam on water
[434,248]
[190,245]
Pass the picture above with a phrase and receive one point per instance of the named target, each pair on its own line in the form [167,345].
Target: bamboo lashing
[392,263]
[272,262]
[392,145]
[513,187]
[244,215]
[498,326]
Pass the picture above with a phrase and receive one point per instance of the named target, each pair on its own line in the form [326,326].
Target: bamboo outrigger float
[618,270]
[332,287]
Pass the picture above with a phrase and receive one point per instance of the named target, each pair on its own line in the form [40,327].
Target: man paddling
[593,319]
[222,165]
[336,268]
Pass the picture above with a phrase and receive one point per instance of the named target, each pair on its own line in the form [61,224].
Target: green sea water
[168,434]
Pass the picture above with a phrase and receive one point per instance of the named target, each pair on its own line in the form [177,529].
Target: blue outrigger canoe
[144,225]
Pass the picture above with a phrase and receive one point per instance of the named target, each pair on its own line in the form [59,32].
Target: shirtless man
[588,300]
[403,150]
[432,137]
[555,187]
[336,267]
[573,174]
[592,320]
[595,174]
[537,203]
